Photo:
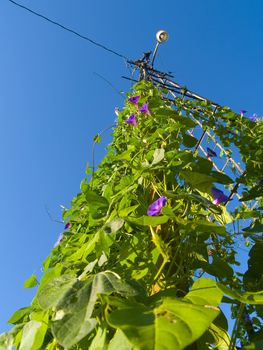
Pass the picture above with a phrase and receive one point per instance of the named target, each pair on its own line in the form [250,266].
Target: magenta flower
[218,196]
[210,153]
[132,120]
[67,226]
[134,99]
[242,112]
[144,109]
[156,207]
[254,118]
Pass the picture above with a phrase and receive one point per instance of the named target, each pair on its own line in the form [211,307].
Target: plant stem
[236,327]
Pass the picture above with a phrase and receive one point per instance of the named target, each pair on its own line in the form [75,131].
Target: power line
[68,29]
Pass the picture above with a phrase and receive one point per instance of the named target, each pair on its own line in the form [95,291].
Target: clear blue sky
[52,104]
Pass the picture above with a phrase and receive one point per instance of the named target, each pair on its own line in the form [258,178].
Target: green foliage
[121,279]
[30,282]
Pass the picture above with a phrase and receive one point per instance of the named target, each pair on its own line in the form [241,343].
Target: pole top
[162,36]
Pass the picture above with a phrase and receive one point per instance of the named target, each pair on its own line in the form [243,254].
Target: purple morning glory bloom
[247,318]
[254,118]
[156,207]
[67,226]
[218,196]
[132,120]
[59,239]
[144,109]
[242,112]
[134,99]
[210,153]
[117,111]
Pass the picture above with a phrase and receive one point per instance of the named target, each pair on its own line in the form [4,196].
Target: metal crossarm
[224,163]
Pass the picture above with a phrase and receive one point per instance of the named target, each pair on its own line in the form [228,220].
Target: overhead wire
[68,29]
[110,84]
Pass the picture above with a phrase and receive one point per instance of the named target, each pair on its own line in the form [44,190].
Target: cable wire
[68,29]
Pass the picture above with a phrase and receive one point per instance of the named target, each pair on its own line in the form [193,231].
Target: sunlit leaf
[18,315]
[30,282]
[52,292]
[171,320]
[149,220]
[33,335]
[119,341]
[158,156]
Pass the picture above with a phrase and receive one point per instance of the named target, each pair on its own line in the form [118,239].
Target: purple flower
[59,239]
[210,153]
[144,109]
[132,120]
[67,226]
[156,207]
[218,196]
[254,118]
[134,99]
[242,112]
[247,317]
[117,111]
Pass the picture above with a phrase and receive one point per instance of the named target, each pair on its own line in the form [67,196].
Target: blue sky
[52,103]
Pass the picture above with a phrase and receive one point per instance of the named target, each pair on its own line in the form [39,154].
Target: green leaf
[206,226]
[119,341]
[83,185]
[73,329]
[126,155]
[215,335]
[253,277]
[88,169]
[258,345]
[218,268]
[18,315]
[255,298]
[205,291]
[158,156]
[6,341]
[165,112]
[72,320]
[114,225]
[255,229]
[30,282]
[98,341]
[97,205]
[199,181]
[224,218]
[171,320]
[149,220]
[104,242]
[189,141]
[221,178]
[53,292]
[197,198]
[49,275]
[126,211]
[97,138]
[33,335]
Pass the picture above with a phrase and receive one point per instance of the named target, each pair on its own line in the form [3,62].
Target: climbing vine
[148,255]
